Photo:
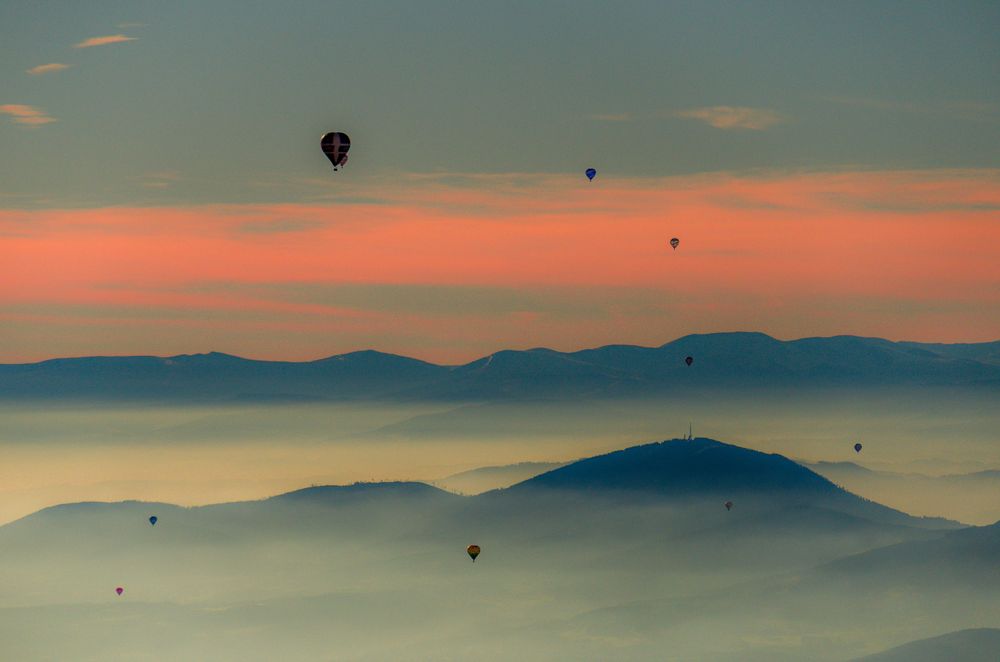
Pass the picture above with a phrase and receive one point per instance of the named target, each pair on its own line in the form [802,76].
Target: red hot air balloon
[119,590]
[473,551]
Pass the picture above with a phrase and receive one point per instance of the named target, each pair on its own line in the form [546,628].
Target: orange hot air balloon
[473,551]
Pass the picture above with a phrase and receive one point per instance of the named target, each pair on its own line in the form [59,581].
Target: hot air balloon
[689,360]
[590,173]
[674,243]
[729,505]
[857,448]
[335,145]
[152,520]
[119,590]
[473,551]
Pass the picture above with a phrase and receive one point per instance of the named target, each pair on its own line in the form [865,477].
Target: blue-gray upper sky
[224,101]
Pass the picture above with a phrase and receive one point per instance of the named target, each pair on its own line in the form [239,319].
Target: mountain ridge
[736,360]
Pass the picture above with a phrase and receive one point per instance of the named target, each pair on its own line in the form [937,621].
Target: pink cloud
[47,68]
[27,115]
[734,117]
[103,41]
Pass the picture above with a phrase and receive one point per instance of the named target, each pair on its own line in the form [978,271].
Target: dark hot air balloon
[335,145]
[119,590]
[473,551]
[857,448]
[152,520]
[590,173]
[689,360]
[674,243]
[729,505]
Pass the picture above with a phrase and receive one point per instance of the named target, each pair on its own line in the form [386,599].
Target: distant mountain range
[973,645]
[972,497]
[721,360]
[482,479]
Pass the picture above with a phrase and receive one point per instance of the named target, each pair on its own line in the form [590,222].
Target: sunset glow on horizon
[449,272]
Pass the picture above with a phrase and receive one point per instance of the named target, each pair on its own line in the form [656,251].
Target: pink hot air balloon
[119,590]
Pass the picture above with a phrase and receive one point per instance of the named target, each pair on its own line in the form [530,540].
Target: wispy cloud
[733,117]
[27,115]
[613,117]
[159,180]
[47,68]
[966,110]
[103,41]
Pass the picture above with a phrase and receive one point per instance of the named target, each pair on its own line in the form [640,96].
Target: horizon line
[489,355]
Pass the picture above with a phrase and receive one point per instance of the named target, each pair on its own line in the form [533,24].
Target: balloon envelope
[335,145]
[689,360]
[857,448]
[119,590]
[152,520]
[590,174]
[473,551]
[674,243]
[729,505]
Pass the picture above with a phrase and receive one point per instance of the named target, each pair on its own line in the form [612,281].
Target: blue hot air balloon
[591,173]
[152,520]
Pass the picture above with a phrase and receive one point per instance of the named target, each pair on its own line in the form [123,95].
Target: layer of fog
[365,576]
[197,455]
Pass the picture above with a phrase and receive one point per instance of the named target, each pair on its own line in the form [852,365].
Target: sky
[828,168]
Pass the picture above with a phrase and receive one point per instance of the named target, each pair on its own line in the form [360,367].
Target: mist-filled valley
[630,555]
[805,509]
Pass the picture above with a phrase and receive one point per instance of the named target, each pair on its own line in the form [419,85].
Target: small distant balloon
[729,505]
[473,551]
[689,360]
[591,173]
[857,448]
[153,519]
[674,243]
[335,145]
[119,590]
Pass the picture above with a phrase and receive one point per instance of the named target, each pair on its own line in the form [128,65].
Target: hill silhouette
[973,645]
[722,360]
[706,469]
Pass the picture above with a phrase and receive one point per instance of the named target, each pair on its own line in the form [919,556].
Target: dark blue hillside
[705,469]
[735,361]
